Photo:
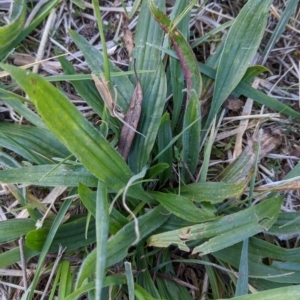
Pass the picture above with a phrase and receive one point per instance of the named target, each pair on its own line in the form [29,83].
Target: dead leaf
[128,40]
[131,120]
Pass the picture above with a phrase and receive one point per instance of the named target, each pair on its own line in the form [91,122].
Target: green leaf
[191,138]
[17,103]
[13,256]
[266,261]
[213,192]
[37,145]
[154,85]
[82,139]
[71,235]
[289,292]
[9,33]
[102,225]
[46,247]
[164,137]
[225,231]
[49,175]
[119,244]
[15,228]
[241,44]
[94,59]
[248,91]
[182,207]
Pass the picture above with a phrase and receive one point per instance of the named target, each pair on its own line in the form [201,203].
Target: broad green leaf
[241,44]
[119,244]
[70,235]
[82,139]
[223,232]
[37,145]
[182,207]
[265,260]
[49,175]
[289,292]
[9,32]
[287,224]
[213,192]
[15,228]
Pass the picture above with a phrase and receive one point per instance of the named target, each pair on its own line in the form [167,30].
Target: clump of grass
[114,226]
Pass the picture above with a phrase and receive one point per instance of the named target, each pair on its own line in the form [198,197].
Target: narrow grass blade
[102,225]
[94,58]
[9,33]
[290,8]
[49,175]
[177,77]
[129,279]
[43,13]
[69,126]
[191,138]
[248,91]
[65,276]
[47,245]
[119,244]
[117,280]
[241,44]
[164,137]
[183,207]
[242,283]
[86,88]
[17,103]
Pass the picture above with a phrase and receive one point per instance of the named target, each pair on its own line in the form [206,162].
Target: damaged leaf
[223,232]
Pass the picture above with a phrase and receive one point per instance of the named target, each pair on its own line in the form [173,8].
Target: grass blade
[102,225]
[240,46]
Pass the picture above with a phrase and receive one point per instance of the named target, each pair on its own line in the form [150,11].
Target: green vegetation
[177,218]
